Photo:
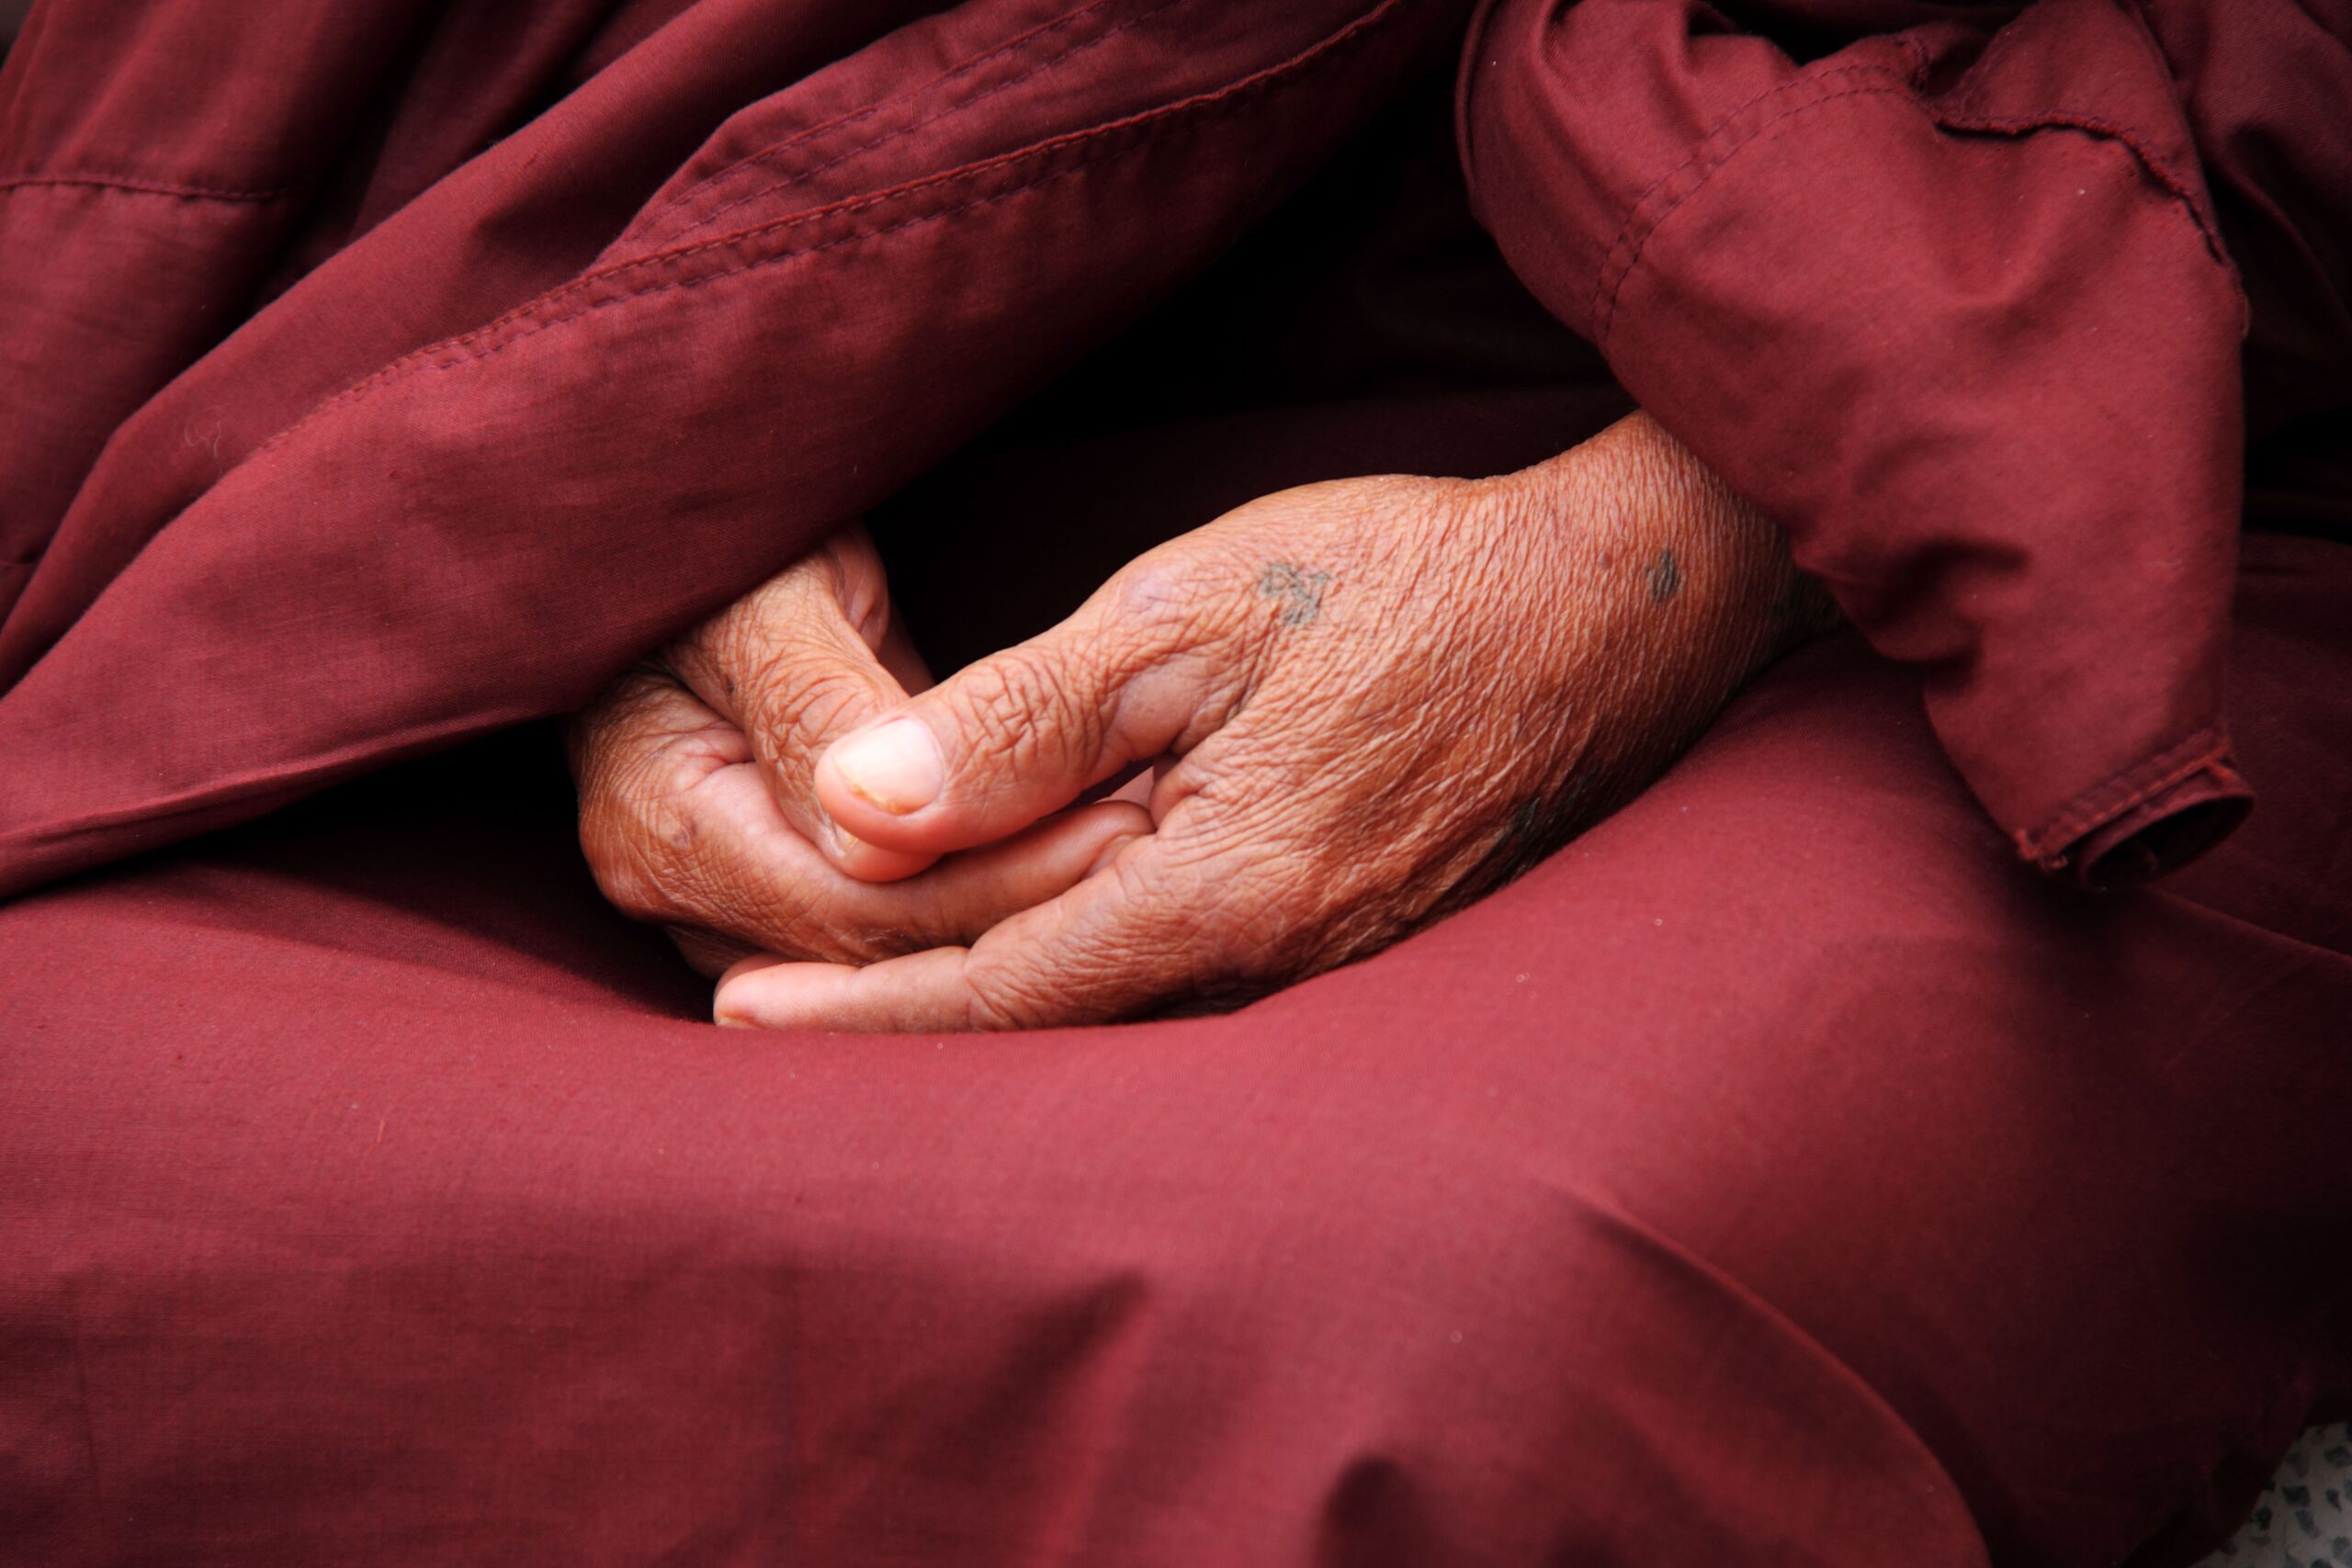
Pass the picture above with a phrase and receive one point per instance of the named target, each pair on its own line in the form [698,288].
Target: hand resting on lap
[1365,702]
[696,810]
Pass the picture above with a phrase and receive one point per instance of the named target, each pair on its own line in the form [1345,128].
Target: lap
[1775,1172]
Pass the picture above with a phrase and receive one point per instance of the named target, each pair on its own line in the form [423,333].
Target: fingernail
[895,765]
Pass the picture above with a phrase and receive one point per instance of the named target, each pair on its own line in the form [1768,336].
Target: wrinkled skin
[696,808]
[1362,703]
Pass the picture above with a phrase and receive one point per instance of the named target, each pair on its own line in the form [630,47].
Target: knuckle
[1169,591]
[999,998]
[627,883]
[798,709]
[784,920]
[1176,601]
[638,830]
[741,643]
[613,724]
[746,633]
[1022,710]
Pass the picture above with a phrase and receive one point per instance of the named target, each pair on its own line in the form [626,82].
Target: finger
[1119,943]
[644,714]
[745,966]
[681,831]
[807,658]
[967,895]
[728,864]
[636,755]
[740,872]
[1149,664]
[646,739]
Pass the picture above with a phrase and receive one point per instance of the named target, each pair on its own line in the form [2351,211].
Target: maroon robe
[1783,1172]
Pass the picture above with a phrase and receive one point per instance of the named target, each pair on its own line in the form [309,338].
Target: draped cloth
[1792,1169]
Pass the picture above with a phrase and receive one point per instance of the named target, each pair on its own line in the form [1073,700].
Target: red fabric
[1948,290]
[1777,1173]
[434,487]
[522,250]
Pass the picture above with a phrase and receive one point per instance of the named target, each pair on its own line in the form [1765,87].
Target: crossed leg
[1776,1175]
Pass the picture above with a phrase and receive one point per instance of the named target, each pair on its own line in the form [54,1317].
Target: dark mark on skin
[1300,590]
[1665,578]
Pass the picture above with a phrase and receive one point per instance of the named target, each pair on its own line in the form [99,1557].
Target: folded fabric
[1948,290]
[703,297]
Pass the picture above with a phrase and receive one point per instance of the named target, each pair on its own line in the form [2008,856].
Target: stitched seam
[433,355]
[1972,107]
[2158,168]
[2206,748]
[801,177]
[769,154]
[1601,283]
[1701,151]
[1273,78]
[755,262]
[1608,321]
[140,187]
[1969,113]
[1918,67]
[2144,32]
[523,312]
[2085,126]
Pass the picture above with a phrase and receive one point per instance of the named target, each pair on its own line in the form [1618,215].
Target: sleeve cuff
[2153,831]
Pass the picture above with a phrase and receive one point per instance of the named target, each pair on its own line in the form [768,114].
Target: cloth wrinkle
[796,178]
[2208,748]
[526,319]
[132,186]
[1707,168]
[1604,290]
[1782,1171]
[907,94]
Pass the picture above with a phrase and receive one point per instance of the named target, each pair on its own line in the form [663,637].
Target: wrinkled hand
[698,810]
[1368,702]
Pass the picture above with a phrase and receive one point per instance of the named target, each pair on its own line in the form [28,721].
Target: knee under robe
[1792,1169]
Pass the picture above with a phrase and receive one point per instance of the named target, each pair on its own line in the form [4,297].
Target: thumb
[1129,678]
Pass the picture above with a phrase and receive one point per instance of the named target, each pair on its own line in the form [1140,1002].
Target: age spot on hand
[1665,578]
[1300,588]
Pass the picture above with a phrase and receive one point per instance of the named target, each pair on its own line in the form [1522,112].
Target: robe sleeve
[753,268]
[1941,288]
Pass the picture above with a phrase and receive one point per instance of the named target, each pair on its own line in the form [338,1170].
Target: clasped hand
[1356,704]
